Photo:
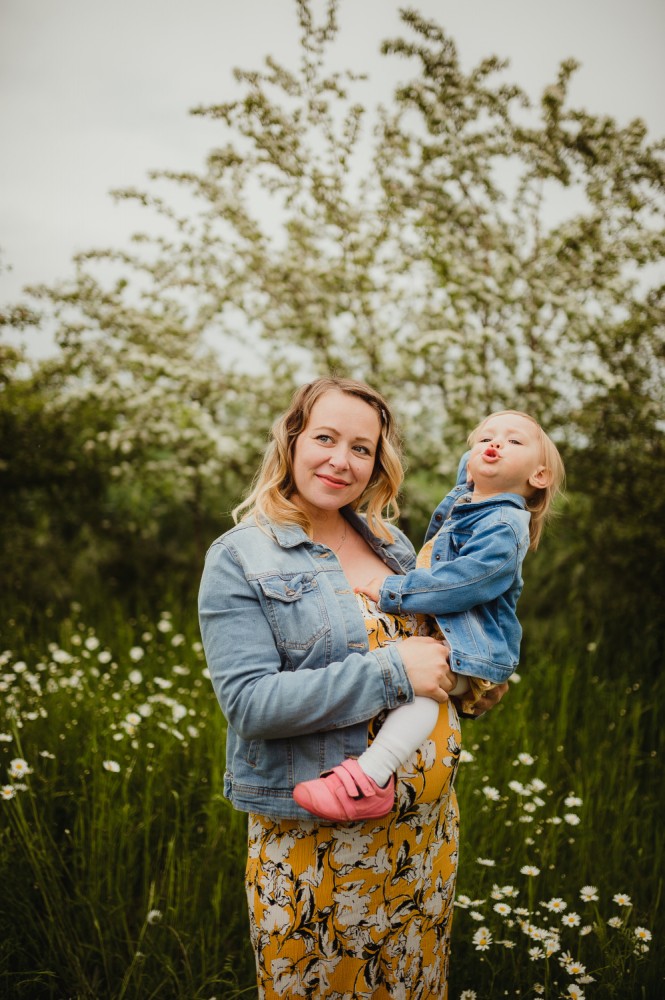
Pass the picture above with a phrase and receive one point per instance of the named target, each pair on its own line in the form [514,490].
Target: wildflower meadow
[122,863]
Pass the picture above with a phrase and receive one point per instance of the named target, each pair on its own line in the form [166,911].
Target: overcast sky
[94,93]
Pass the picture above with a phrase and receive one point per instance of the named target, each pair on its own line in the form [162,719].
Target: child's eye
[515,441]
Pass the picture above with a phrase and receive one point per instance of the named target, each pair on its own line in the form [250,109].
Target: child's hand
[370,589]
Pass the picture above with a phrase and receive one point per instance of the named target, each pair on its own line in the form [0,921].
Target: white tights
[403,731]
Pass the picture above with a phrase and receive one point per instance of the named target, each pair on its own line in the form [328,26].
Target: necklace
[342,541]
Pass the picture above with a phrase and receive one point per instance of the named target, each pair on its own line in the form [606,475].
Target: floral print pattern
[362,910]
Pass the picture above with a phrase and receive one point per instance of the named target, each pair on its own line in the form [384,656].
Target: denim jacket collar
[290,535]
[499,498]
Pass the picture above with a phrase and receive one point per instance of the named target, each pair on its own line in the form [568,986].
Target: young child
[468,577]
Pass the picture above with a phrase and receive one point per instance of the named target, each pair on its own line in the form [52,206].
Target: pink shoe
[345,793]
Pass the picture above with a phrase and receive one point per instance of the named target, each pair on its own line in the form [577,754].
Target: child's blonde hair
[539,503]
[274,485]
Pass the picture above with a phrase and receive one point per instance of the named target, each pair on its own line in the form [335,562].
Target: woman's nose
[339,457]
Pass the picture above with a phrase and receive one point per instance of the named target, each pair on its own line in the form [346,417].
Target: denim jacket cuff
[397,684]
[390,595]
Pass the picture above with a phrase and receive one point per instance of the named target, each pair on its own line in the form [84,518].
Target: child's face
[506,457]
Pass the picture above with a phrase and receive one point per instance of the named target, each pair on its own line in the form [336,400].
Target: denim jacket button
[400,695]
[438,517]
[392,596]
[437,558]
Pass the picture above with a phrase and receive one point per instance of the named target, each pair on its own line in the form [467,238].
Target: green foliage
[122,863]
[563,776]
[121,857]
[461,248]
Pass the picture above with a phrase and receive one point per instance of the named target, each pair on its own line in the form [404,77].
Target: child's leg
[403,731]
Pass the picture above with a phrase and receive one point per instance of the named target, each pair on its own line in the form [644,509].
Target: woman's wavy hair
[273,487]
[540,501]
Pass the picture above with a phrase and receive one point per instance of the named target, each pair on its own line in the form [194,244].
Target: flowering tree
[464,250]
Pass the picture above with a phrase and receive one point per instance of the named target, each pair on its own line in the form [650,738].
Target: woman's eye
[362,449]
[323,438]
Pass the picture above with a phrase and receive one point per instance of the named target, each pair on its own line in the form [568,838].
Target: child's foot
[345,793]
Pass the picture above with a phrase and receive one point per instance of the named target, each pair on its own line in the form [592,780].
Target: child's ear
[541,478]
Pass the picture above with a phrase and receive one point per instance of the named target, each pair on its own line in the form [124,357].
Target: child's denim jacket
[474,580]
[287,650]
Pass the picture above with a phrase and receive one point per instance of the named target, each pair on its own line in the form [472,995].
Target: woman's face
[334,455]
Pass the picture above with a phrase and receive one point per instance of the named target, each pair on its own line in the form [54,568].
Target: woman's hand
[426,664]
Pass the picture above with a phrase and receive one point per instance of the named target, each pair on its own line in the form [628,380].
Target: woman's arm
[262,699]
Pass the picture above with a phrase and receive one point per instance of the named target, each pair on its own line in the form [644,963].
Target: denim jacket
[474,580]
[288,655]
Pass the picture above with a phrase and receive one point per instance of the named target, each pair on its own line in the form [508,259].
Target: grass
[122,863]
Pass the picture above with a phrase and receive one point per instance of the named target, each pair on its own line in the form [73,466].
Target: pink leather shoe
[345,793]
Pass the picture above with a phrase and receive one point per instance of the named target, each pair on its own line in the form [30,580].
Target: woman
[303,669]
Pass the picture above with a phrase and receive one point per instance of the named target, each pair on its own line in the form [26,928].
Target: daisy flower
[556,905]
[488,862]
[491,793]
[18,768]
[621,899]
[482,939]
[615,922]
[111,765]
[642,933]
[154,916]
[589,893]
[465,758]
[7,792]
[570,919]
[529,870]
[502,909]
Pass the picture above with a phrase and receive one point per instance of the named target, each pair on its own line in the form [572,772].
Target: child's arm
[483,571]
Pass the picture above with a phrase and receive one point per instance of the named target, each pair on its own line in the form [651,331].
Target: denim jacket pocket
[295,608]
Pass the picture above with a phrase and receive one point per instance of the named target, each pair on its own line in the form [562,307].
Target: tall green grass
[592,747]
[120,859]
[122,864]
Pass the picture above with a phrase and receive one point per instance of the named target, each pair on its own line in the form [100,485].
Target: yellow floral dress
[362,910]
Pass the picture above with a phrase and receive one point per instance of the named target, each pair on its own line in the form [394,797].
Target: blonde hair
[539,503]
[274,485]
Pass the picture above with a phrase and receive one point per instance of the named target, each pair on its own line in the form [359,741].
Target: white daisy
[18,768]
[530,870]
[482,939]
[111,765]
[621,899]
[589,893]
